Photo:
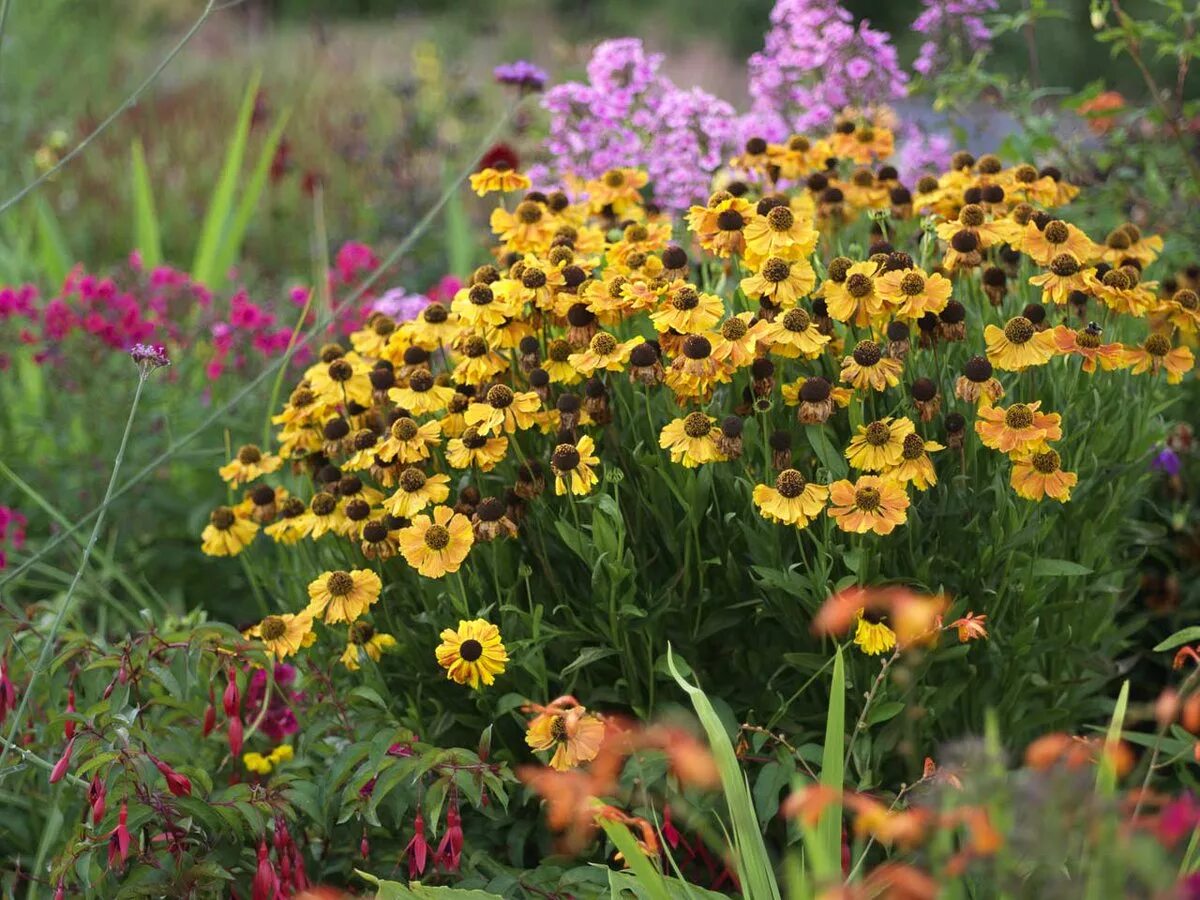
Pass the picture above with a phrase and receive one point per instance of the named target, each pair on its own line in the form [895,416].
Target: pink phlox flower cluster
[946,23]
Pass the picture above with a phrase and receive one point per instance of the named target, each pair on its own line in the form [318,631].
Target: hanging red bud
[97,794]
[232,697]
[177,784]
[60,767]
[364,846]
[266,883]
[235,735]
[118,838]
[8,693]
[210,718]
[69,724]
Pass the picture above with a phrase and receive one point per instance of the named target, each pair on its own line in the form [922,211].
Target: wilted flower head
[149,356]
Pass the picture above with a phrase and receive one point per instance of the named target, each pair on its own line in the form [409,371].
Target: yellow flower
[343,596]
[416,490]
[408,442]
[227,533]
[434,327]
[1039,474]
[1044,244]
[791,335]
[1019,428]
[782,278]
[256,763]
[721,232]
[421,395]
[915,466]
[281,754]
[571,731]
[854,299]
[870,504]
[503,409]
[249,464]
[913,293]
[345,379]
[558,363]
[1156,354]
[618,189]
[690,440]
[473,653]
[502,180]
[872,635]
[525,228]
[1065,276]
[362,638]
[879,446]
[1018,345]
[475,449]
[482,306]
[324,515]
[867,367]
[572,466]
[604,353]
[439,545]
[286,633]
[686,310]
[793,501]
[778,230]
[373,338]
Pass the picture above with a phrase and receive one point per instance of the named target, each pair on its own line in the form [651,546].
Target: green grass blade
[650,880]
[235,235]
[460,239]
[147,236]
[54,256]
[827,853]
[753,864]
[220,207]
[1106,775]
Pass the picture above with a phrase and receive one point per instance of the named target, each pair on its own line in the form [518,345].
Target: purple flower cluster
[521,74]
[951,23]
[921,151]
[629,114]
[814,62]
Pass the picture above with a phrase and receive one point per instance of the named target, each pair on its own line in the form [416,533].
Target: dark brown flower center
[696,346]
[565,457]
[272,628]
[1158,345]
[340,370]
[500,396]
[730,220]
[685,298]
[1056,232]
[222,518]
[972,215]
[878,434]
[471,649]
[412,480]
[533,278]
[529,212]
[1018,330]
[559,350]
[603,343]
[867,353]
[780,218]
[867,499]
[1018,417]
[421,381]
[914,446]
[697,425]
[859,285]
[775,269]
[404,429]
[339,584]
[733,329]
[437,537]
[1064,265]
[1046,462]
[796,320]
[323,503]
[790,483]
[249,455]
[435,314]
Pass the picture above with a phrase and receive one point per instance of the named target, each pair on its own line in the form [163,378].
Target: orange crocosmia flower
[809,803]
[569,801]
[905,828]
[897,881]
[914,618]
[690,759]
[913,615]
[1100,111]
[1182,655]
[970,627]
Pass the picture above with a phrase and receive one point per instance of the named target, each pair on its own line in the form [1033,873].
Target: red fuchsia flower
[97,797]
[449,851]
[8,693]
[266,883]
[177,784]
[118,838]
[280,719]
[235,736]
[232,698]
[364,846]
[417,850]
[69,724]
[210,716]
[64,762]
[1178,819]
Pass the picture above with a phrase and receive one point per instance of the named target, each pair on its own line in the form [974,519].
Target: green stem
[48,641]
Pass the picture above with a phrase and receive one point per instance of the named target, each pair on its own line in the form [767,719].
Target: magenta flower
[521,74]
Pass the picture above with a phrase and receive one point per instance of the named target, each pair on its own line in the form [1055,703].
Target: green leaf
[825,854]
[587,657]
[754,869]
[1106,776]
[54,256]
[649,878]
[147,237]
[884,711]
[235,234]
[624,884]
[1049,568]
[394,890]
[220,207]
[1182,636]
[830,458]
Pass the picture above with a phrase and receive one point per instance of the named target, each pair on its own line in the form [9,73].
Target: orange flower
[870,504]
[1155,354]
[1100,111]
[1086,342]
[970,627]
[1019,428]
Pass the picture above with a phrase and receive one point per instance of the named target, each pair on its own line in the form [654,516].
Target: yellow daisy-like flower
[286,633]
[249,464]
[482,306]
[782,279]
[618,189]
[475,449]
[691,440]
[870,504]
[855,299]
[872,635]
[434,327]
[1086,343]
[1065,276]
[408,442]
[913,293]
[604,353]
[572,465]
[1156,354]
[373,338]
[1018,429]
[734,344]
[916,468]
[723,233]
[779,230]
[1018,345]
[791,335]
[879,446]
[415,490]
[345,379]
[558,363]
[503,410]
[227,533]
[363,640]
[501,180]
[343,596]
[573,733]
[421,395]
[528,227]
[792,501]
[473,653]
[867,367]
[687,310]
[439,545]
[480,362]
[324,515]
[1039,474]
[1042,245]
